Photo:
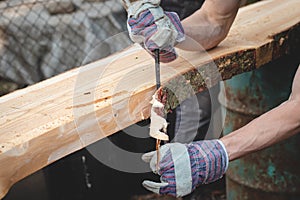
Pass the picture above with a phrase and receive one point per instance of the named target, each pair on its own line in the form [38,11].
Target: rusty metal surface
[275,169]
[243,192]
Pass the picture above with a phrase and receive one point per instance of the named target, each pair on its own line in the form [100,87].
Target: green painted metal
[273,173]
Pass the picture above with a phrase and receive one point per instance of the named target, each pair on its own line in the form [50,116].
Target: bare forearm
[203,36]
[208,26]
[266,130]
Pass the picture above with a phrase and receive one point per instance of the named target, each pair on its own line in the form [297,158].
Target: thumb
[154,186]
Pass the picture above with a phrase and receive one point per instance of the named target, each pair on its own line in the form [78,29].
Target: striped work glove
[185,166]
[154,29]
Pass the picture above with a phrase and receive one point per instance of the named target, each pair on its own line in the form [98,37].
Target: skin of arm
[272,127]
[208,26]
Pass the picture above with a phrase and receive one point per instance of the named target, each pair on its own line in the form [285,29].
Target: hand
[185,166]
[154,29]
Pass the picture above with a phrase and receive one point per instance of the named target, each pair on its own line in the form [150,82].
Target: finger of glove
[144,19]
[151,157]
[168,56]
[163,32]
[145,23]
[166,22]
[166,164]
[154,186]
[148,156]
[157,36]
[160,38]
[165,55]
[175,20]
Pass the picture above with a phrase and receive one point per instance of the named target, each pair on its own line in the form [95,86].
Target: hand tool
[157,75]
[157,68]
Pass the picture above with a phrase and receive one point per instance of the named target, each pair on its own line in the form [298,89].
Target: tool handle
[157,68]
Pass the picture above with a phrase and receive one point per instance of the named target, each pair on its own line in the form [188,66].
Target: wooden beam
[49,120]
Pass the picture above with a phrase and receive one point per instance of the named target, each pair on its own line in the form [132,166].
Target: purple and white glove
[154,28]
[185,166]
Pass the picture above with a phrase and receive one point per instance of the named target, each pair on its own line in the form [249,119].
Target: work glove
[185,166]
[154,28]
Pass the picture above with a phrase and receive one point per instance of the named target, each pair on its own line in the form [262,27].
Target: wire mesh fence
[42,38]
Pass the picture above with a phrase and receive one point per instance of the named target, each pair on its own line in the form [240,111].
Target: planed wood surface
[49,120]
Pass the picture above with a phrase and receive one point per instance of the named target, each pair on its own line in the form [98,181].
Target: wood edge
[279,44]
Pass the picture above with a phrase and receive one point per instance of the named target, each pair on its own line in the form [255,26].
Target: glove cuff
[225,154]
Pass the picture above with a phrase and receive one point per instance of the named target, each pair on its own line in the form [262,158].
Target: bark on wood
[47,121]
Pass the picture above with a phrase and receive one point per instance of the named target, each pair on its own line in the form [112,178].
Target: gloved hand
[185,166]
[154,29]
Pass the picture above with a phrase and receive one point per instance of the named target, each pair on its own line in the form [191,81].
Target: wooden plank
[49,120]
